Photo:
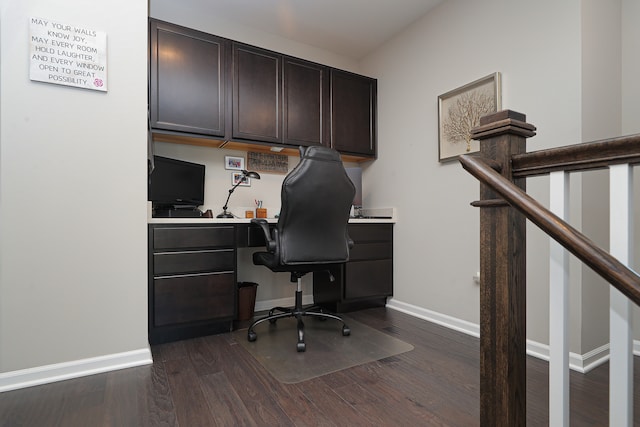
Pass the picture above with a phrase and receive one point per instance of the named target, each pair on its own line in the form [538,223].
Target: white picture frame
[234,163]
[237,176]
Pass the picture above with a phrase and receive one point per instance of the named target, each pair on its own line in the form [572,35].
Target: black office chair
[311,232]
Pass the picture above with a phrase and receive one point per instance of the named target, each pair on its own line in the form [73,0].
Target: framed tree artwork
[460,110]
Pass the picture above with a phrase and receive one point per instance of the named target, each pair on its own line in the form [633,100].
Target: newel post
[502,278]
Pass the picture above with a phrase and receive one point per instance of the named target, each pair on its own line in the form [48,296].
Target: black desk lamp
[245,174]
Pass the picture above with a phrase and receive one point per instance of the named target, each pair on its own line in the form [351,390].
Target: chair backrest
[316,199]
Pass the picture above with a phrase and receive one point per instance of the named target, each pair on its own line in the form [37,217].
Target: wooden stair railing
[607,266]
[501,167]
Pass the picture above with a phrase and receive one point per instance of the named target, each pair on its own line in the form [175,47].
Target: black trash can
[246,299]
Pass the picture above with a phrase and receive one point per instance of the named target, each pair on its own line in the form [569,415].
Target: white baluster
[559,308]
[620,311]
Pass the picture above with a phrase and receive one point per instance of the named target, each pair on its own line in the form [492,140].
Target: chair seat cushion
[271,262]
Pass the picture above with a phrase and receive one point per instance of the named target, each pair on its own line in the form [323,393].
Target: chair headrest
[318,152]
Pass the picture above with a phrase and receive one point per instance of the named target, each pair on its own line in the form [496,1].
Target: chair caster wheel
[251,336]
[301,347]
[346,331]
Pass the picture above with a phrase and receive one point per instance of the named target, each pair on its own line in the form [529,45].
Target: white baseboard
[591,359]
[435,317]
[578,362]
[78,368]
[582,363]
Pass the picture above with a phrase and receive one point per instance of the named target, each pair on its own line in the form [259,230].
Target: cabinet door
[306,103]
[187,81]
[365,279]
[353,113]
[257,94]
[183,299]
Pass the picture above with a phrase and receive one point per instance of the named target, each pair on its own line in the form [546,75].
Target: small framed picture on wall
[238,177]
[234,163]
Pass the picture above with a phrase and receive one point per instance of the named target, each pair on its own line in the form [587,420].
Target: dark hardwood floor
[213,381]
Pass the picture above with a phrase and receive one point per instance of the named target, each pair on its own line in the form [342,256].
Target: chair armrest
[270,243]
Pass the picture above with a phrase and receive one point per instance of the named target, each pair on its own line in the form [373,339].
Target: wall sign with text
[67,55]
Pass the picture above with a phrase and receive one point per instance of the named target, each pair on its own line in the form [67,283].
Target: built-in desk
[192,287]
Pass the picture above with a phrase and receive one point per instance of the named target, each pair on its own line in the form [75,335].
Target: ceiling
[351,28]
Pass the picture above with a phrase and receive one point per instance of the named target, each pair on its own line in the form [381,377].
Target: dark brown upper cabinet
[353,113]
[279,99]
[187,80]
[219,90]
[257,94]
[306,110]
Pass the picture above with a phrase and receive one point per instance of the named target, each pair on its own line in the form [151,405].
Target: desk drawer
[193,298]
[371,232]
[193,237]
[193,261]
[368,251]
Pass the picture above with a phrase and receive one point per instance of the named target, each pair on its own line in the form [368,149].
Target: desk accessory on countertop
[245,174]
[260,211]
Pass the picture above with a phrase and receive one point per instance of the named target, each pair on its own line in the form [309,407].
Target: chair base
[298,312]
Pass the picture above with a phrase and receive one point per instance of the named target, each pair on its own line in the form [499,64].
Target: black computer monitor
[176,184]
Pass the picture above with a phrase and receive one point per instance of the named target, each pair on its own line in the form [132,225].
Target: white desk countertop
[371,216]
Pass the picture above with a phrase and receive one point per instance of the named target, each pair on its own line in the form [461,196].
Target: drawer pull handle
[174,276]
[194,252]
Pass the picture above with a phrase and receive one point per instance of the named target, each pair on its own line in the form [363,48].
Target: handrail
[612,270]
[502,166]
[585,156]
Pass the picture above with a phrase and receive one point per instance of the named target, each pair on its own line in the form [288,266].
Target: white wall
[570,68]
[630,66]
[536,47]
[631,107]
[601,118]
[73,259]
